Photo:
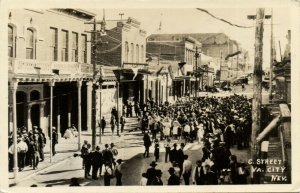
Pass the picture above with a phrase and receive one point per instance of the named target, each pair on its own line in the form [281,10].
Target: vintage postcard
[183,96]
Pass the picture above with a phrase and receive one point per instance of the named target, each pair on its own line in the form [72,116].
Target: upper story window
[132,52]
[126,51]
[11,41]
[53,43]
[142,54]
[30,44]
[83,48]
[137,53]
[64,45]
[74,47]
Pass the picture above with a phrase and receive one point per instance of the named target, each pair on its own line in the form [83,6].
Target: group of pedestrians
[101,163]
[30,147]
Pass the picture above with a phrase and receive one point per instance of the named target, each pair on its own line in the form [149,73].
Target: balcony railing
[26,66]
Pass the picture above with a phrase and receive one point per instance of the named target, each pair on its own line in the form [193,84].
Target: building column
[42,107]
[184,87]
[51,84]
[89,105]
[13,89]
[167,88]
[69,109]
[190,88]
[58,104]
[10,116]
[79,84]
[29,125]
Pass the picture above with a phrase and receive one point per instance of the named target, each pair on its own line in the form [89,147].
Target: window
[11,41]
[30,44]
[142,54]
[74,47]
[64,45]
[137,53]
[53,44]
[83,48]
[132,52]
[126,51]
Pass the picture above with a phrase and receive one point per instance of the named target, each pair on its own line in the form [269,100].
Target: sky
[191,20]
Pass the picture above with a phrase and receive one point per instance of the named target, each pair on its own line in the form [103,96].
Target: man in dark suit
[151,173]
[54,140]
[198,174]
[157,180]
[41,143]
[180,157]
[96,159]
[87,161]
[107,155]
[173,179]
[173,154]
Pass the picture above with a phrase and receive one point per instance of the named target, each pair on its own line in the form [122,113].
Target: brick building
[123,46]
[179,49]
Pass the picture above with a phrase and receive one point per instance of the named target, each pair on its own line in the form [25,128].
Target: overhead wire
[223,20]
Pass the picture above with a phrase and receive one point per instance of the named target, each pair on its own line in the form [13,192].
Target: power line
[223,20]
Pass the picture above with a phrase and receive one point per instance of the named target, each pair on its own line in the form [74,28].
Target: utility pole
[256,102]
[94,60]
[196,74]
[271,58]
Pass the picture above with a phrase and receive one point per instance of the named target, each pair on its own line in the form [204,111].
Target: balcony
[24,67]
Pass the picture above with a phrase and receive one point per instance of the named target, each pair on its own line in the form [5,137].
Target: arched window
[30,41]
[137,53]
[34,95]
[11,41]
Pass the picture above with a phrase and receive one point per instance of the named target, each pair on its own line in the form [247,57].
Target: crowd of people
[30,147]
[216,123]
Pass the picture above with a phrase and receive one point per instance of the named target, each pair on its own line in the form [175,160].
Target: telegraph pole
[196,74]
[271,57]
[94,60]
[256,102]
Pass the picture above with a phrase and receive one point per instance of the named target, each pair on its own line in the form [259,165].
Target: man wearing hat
[54,140]
[180,157]
[41,143]
[173,154]
[173,179]
[22,149]
[151,173]
[107,155]
[118,172]
[96,162]
[198,174]
[157,179]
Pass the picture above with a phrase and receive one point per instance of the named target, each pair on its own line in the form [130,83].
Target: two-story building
[124,46]
[50,75]
[180,49]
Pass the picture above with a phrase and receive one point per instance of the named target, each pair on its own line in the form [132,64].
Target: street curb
[40,171]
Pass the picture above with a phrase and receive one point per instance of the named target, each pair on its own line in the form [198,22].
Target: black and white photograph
[186,97]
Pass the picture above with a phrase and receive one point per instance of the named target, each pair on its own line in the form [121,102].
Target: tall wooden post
[271,57]
[94,60]
[51,84]
[79,84]
[256,102]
